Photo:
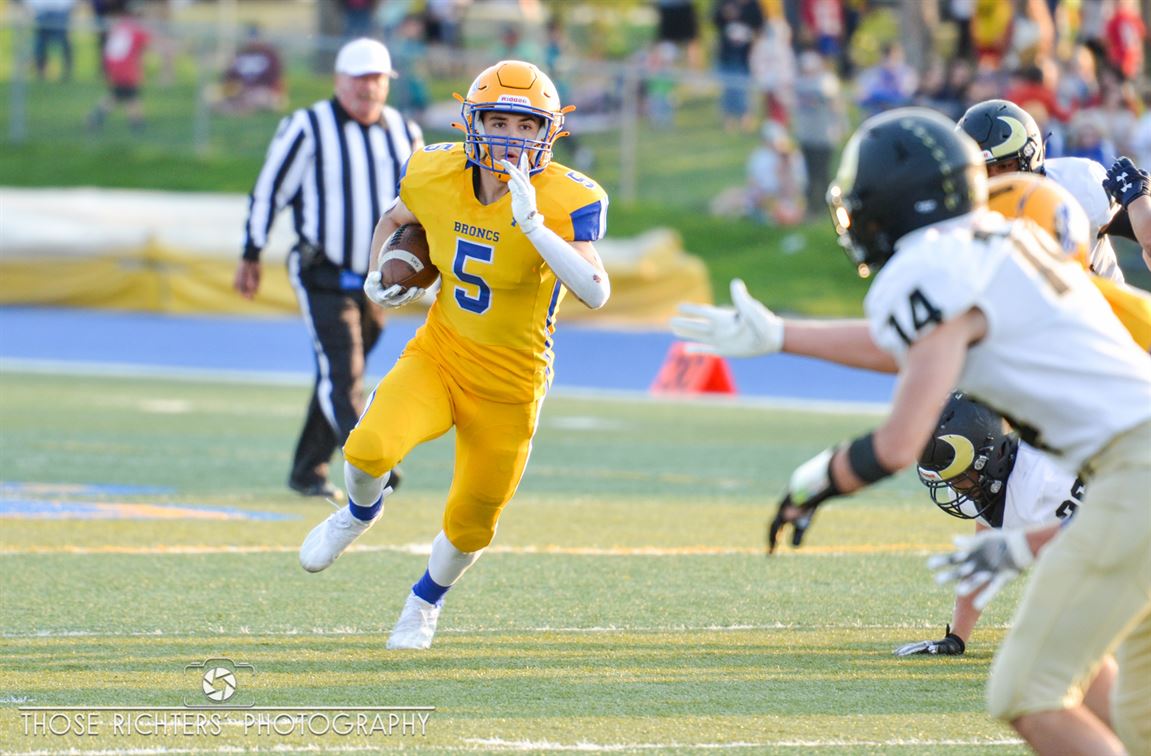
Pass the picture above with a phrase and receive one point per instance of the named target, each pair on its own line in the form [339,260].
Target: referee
[337,164]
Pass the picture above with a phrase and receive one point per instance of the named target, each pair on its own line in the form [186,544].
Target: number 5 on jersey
[478,301]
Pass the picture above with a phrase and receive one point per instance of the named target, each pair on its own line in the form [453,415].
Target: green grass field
[626,604]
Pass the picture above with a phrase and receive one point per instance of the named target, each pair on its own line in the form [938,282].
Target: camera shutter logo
[217,678]
[219,684]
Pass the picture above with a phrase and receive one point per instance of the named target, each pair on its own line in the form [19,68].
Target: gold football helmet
[511,86]
[1050,206]
[1029,195]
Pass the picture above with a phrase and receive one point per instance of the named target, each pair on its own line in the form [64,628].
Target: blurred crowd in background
[797,74]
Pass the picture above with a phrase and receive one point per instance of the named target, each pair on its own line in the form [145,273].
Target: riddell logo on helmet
[515,99]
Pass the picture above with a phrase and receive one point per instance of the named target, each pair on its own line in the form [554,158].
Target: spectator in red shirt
[123,70]
[1029,87]
[254,80]
[1124,34]
[824,25]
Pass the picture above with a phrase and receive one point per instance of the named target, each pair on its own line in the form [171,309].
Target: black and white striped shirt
[338,175]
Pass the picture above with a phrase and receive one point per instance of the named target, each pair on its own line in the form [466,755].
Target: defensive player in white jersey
[1010,141]
[977,470]
[963,297]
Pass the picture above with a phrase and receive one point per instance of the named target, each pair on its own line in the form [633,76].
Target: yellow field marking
[551,549]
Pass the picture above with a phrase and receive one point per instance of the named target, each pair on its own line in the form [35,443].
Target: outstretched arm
[749,329]
[846,342]
[958,632]
[933,366]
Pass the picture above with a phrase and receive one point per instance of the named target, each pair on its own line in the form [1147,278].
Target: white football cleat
[329,539]
[416,626]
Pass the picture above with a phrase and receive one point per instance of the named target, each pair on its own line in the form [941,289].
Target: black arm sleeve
[1119,225]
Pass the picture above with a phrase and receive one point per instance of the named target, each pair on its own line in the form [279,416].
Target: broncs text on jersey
[476,232]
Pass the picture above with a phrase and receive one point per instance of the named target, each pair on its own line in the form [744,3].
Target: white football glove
[524,208]
[393,296]
[983,563]
[745,330]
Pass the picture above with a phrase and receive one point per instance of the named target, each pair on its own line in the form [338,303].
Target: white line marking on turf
[125,370]
[162,751]
[473,744]
[424,549]
[349,630]
[545,745]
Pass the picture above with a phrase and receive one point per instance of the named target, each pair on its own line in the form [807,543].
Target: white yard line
[131,370]
[545,745]
[500,744]
[423,549]
[162,751]
[125,370]
[478,630]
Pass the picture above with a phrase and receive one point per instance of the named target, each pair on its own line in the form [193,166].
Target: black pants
[344,327]
[817,157]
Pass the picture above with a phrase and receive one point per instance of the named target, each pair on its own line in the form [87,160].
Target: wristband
[863,462]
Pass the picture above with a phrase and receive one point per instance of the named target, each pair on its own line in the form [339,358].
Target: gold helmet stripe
[964,455]
[1013,143]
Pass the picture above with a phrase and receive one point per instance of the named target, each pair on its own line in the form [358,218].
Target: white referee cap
[364,56]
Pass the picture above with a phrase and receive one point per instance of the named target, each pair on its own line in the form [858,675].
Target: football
[405,259]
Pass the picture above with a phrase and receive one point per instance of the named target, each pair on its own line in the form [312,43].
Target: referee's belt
[318,271]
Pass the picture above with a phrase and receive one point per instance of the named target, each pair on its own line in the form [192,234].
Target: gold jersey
[491,324]
[1132,306]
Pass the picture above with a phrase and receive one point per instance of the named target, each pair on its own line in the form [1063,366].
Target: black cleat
[319,488]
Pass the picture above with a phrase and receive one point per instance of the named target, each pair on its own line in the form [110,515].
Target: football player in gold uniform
[510,232]
[1029,195]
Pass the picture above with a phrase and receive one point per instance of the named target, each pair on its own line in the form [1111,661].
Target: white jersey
[1055,361]
[1038,491]
[1084,179]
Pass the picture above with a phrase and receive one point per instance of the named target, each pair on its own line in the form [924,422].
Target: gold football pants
[418,401]
[1090,595]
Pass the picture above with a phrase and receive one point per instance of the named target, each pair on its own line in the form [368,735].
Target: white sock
[447,563]
[363,489]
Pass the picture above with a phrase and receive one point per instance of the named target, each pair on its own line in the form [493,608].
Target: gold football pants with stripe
[1090,595]
[418,401]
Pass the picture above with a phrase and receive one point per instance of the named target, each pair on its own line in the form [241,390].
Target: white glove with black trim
[810,485]
[983,563]
[393,296]
[745,330]
[950,645]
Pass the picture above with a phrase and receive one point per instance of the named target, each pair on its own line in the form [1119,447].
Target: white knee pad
[447,563]
[364,489]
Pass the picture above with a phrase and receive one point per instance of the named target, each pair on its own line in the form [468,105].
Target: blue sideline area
[586,357]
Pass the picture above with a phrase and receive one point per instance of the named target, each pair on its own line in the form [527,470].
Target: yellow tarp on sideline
[142,269]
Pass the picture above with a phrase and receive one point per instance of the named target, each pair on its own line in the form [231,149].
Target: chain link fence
[649,131]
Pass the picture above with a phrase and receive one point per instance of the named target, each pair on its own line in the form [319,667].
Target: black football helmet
[902,170]
[1004,131]
[968,460]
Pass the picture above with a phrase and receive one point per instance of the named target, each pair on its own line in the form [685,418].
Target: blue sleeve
[589,223]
